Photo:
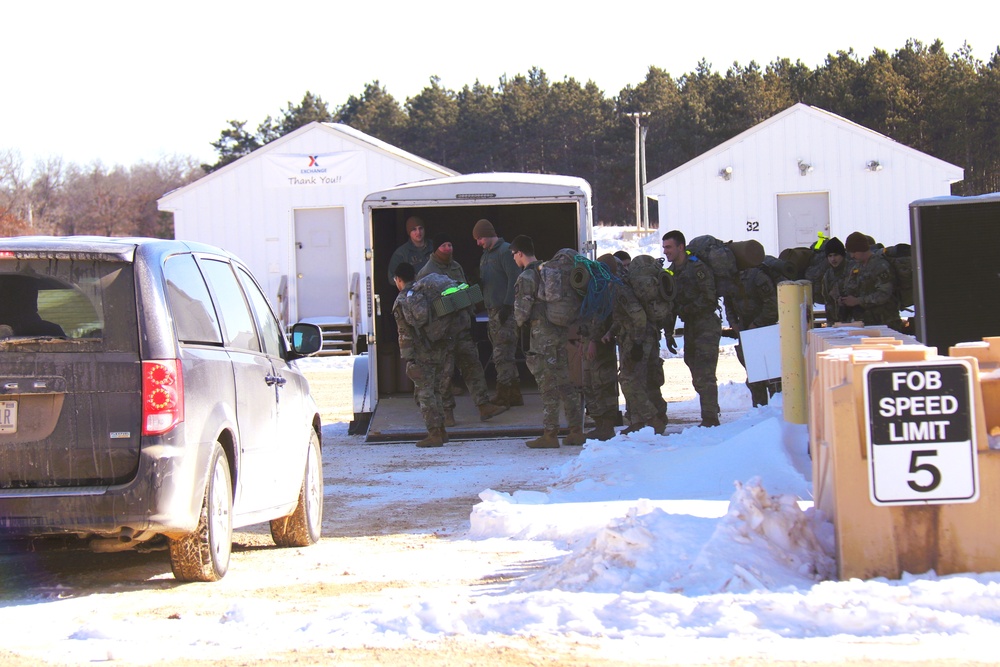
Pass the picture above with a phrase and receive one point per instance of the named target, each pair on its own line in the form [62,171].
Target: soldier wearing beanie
[833,280]
[415,251]
[857,242]
[466,355]
[483,229]
[441,260]
[497,274]
[869,288]
[835,247]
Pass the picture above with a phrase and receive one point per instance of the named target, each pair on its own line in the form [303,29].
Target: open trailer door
[555,211]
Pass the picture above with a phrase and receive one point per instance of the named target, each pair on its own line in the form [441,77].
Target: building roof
[341,131]
[818,115]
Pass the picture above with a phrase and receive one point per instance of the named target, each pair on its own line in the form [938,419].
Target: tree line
[60,199]
[939,103]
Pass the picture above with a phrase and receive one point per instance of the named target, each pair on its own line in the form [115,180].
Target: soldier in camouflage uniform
[838,268]
[425,362]
[638,348]
[465,354]
[869,289]
[695,302]
[547,358]
[600,363]
[414,252]
[497,274]
[754,305]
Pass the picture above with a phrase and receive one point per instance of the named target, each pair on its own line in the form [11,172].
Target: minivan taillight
[162,396]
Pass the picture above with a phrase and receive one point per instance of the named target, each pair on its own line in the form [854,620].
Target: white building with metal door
[292,211]
[800,172]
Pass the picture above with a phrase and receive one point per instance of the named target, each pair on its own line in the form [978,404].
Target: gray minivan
[149,398]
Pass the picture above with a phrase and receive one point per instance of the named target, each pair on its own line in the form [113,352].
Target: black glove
[636,352]
[671,344]
[505,313]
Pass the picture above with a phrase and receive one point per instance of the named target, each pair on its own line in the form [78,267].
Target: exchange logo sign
[921,434]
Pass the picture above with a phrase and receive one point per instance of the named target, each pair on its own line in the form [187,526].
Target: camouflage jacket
[872,283]
[694,290]
[833,289]
[526,305]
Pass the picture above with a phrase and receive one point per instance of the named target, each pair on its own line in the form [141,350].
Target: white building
[292,210]
[800,172]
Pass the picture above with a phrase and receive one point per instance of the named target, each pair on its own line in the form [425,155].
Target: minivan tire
[204,554]
[303,526]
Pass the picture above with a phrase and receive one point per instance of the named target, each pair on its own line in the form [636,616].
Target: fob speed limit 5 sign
[921,433]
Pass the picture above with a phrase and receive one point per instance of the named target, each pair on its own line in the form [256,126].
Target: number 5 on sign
[921,433]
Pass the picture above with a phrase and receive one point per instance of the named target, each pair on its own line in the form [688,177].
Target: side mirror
[306,339]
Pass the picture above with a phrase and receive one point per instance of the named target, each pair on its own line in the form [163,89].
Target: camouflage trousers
[634,377]
[655,379]
[600,380]
[426,372]
[548,361]
[503,337]
[701,355]
[465,357]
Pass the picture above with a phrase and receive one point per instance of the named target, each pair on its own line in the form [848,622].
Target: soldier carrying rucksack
[425,345]
[428,334]
[545,300]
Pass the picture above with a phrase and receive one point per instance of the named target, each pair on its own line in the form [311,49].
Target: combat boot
[635,426]
[435,438]
[709,420]
[449,417]
[575,438]
[659,424]
[500,398]
[514,398]
[489,410]
[604,429]
[548,440]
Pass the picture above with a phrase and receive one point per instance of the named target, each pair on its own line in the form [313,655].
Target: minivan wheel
[303,526]
[204,554]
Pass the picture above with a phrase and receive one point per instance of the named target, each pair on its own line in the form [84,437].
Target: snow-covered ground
[668,548]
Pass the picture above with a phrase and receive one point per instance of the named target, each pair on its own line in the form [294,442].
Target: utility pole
[641,208]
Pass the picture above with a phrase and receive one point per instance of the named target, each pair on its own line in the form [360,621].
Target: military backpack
[418,307]
[555,288]
[653,286]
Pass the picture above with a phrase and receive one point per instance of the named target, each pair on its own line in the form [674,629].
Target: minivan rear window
[67,303]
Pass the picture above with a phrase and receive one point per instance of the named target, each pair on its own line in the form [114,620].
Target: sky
[696,546]
[122,82]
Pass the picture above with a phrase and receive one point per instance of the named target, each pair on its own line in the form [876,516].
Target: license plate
[8,416]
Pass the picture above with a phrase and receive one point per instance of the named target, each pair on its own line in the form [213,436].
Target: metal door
[321,284]
[800,217]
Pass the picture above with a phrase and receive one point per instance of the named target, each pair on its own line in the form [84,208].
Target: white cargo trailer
[555,211]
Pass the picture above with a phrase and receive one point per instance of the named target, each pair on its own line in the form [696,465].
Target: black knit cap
[835,246]
[440,239]
[857,242]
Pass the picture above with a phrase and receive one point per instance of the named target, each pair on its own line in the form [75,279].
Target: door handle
[272,380]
